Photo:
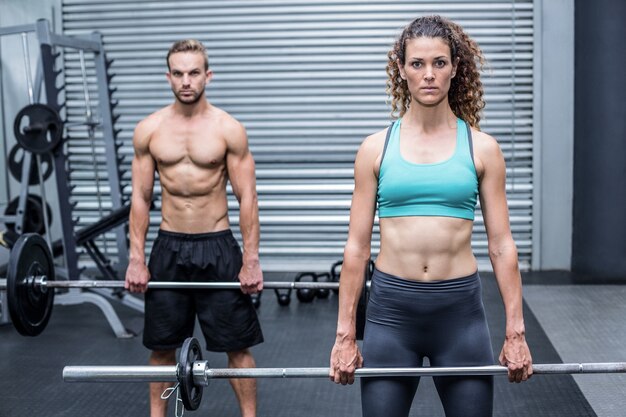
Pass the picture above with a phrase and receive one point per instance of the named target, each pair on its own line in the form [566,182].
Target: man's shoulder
[145,129]
[225,118]
[152,121]
[230,126]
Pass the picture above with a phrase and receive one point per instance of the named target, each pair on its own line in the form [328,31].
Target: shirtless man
[195,147]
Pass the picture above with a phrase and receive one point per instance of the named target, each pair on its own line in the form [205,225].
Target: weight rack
[46,75]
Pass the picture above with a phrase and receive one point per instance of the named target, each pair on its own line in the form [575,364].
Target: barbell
[31,276]
[193,374]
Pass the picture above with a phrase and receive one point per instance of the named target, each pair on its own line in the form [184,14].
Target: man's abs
[195,214]
[193,195]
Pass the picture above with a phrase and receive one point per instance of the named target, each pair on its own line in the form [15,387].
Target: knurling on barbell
[193,374]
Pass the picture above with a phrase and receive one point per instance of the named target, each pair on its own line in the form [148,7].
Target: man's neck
[190,110]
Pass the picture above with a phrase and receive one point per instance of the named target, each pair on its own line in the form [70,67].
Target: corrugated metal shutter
[307,79]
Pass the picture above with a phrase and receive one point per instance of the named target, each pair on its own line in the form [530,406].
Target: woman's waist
[395,296]
[426,265]
[469,281]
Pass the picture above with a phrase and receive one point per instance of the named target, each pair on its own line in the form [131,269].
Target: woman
[426,173]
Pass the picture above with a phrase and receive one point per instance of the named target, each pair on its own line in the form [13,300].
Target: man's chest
[182,146]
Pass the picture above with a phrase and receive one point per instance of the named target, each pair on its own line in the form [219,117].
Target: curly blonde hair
[466,90]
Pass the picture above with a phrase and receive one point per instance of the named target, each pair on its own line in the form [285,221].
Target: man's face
[187,76]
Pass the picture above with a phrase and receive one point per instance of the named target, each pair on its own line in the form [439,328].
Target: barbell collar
[202,374]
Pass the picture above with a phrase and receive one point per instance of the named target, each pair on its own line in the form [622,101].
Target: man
[195,147]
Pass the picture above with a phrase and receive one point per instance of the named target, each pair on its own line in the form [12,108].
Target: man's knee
[241,358]
[165,357]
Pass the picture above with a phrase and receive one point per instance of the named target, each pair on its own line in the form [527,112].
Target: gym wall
[307,79]
[320,66]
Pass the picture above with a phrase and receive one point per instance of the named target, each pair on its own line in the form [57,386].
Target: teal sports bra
[448,188]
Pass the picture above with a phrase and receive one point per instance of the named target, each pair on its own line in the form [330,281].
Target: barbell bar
[202,373]
[31,273]
[193,374]
[42,282]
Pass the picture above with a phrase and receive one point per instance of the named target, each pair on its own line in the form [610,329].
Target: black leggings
[442,320]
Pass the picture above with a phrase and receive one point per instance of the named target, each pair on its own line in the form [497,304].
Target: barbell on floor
[193,374]
[31,275]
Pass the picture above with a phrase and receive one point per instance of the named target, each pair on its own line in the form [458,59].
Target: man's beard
[188,100]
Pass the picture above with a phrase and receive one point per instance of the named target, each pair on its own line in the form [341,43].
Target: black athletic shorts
[227,317]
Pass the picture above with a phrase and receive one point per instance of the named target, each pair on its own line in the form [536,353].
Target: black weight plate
[30,307]
[37,203]
[190,393]
[33,214]
[38,128]
[16,160]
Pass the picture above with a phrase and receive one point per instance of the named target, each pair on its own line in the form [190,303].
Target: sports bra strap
[469,140]
[470,143]
[386,142]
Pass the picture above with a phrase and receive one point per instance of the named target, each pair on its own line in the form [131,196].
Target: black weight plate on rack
[33,214]
[15,165]
[42,130]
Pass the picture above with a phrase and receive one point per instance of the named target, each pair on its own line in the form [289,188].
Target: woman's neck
[429,118]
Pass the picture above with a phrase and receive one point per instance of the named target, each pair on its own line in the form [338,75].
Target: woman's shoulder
[487,152]
[484,144]
[376,141]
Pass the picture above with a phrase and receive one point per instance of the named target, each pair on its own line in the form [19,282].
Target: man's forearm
[249,226]
[138,223]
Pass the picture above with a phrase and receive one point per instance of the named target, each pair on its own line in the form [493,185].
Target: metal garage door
[307,79]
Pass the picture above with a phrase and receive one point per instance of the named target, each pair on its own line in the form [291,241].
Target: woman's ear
[455,66]
[401,69]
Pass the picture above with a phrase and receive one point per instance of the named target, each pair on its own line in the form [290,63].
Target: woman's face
[428,70]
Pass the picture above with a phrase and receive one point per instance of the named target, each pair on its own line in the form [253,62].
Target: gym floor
[565,322]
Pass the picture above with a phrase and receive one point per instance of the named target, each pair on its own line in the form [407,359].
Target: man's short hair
[188,45]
